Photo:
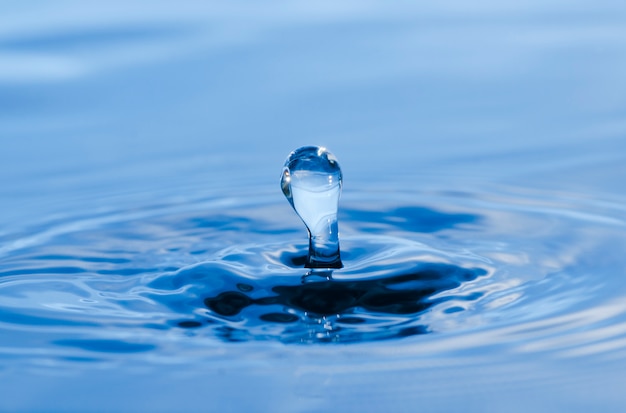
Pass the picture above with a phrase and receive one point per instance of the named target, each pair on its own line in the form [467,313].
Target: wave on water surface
[456,264]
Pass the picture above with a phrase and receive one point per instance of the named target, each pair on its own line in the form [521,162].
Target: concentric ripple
[483,266]
[260,293]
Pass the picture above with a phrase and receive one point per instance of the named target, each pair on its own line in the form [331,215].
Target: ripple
[326,309]
[108,346]
[468,270]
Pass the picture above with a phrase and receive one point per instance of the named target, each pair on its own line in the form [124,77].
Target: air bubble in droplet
[311,181]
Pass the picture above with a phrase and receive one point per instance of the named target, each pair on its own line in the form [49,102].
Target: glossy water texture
[149,261]
[311,181]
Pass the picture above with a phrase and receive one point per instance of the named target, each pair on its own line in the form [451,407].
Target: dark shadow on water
[326,310]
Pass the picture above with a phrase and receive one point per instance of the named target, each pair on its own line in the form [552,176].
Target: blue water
[149,260]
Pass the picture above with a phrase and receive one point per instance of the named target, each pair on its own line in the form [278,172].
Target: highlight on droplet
[311,180]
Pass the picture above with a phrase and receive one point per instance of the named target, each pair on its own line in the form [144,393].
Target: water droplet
[311,181]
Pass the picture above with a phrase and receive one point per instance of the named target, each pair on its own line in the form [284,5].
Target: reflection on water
[193,282]
[147,261]
[342,311]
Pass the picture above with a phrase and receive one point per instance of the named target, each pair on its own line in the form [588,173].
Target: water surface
[148,259]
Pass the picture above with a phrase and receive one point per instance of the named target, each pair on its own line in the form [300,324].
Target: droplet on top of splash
[311,181]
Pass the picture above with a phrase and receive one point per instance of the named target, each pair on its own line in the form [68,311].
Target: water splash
[311,181]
